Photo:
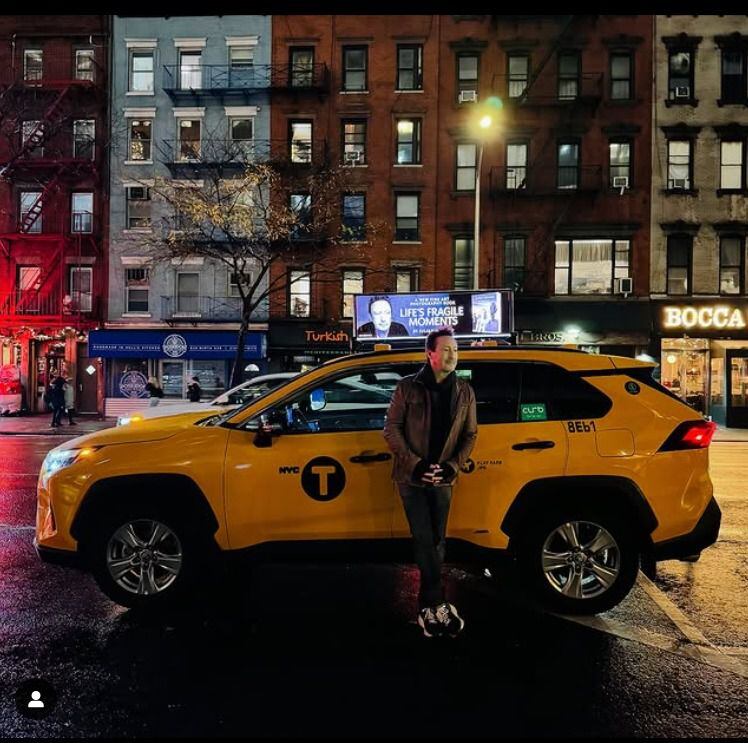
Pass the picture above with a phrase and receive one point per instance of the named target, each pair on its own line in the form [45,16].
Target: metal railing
[202,308]
[545,181]
[213,151]
[548,89]
[224,78]
[33,303]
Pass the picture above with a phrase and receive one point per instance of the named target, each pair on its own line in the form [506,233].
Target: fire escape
[539,180]
[42,297]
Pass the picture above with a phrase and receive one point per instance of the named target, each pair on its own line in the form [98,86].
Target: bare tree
[243,216]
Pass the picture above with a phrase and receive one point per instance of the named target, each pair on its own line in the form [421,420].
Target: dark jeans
[57,412]
[427,510]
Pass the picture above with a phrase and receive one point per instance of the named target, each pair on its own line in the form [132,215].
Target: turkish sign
[471,314]
[706,317]
[187,344]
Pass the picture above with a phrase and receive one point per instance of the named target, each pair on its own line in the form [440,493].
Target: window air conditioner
[678,183]
[468,96]
[621,181]
[352,157]
[624,286]
[682,91]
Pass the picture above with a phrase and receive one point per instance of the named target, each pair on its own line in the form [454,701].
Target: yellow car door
[327,471]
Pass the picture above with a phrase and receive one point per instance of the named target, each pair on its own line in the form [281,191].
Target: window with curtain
[731,264]
[467,161]
[621,64]
[590,266]
[731,165]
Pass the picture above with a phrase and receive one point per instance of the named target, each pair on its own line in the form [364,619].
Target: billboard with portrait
[471,314]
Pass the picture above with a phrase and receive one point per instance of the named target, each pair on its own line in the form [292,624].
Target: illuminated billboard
[471,314]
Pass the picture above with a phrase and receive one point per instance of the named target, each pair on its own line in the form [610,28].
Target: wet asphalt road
[332,650]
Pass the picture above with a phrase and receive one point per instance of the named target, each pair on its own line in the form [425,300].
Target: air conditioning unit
[679,183]
[352,157]
[468,96]
[682,91]
[621,181]
[623,286]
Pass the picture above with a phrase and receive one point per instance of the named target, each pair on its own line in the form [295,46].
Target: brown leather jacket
[408,422]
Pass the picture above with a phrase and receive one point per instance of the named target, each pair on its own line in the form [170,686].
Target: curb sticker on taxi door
[323,478]
[532,411]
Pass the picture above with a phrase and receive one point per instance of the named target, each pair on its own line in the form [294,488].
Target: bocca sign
[720,316]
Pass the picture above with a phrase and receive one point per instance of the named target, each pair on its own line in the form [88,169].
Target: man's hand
[433,475]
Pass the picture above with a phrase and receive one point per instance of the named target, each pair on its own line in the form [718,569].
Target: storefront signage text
[720,316]
[327,336]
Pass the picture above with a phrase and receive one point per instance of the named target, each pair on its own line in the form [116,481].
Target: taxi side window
[357,401]
[496,387]
[564,395]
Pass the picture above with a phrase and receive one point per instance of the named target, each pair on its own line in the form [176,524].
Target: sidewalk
[38,425]
[731,434]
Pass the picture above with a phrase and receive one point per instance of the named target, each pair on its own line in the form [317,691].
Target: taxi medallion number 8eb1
[323,478]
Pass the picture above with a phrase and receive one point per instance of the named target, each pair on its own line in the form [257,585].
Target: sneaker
[428,622]
[451,621]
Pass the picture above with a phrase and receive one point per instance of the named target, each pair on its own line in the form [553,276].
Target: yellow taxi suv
[584,469]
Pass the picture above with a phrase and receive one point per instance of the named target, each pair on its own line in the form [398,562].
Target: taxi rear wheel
[578,560]
[146,558]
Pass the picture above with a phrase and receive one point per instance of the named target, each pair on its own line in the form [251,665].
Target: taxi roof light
[382,347]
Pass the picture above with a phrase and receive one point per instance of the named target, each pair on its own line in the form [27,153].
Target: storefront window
[172,378]
[685,370]
[127,378]
[211,376]
[739,382]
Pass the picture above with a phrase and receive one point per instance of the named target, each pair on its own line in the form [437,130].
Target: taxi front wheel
[578,560]
[147,559]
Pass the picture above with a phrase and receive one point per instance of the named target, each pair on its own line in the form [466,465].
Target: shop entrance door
[172,379]
[86,383]
[737,388]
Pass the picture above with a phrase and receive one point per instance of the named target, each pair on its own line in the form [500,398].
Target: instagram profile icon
[35,699]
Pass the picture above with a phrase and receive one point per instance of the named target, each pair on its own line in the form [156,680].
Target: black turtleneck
[441,411]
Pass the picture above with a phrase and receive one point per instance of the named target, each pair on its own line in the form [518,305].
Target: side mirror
[265,432]
[317,399]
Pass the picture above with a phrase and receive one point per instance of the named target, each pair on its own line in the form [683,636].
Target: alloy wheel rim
[581,560]
[144,557]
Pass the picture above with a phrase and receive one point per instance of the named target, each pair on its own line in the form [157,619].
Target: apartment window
[680,77]
[679,249]
[241,66]
[84,64]
[354,216]
[354,142]
[82,212]
[516,166]
[731,265]
[301,205]
[34,131]
[301,60]
[241,137]
[408,141]
[462,266]
[246,281]
[190,70]
[30,204]
[733,76]
[33,64]
[189,138]
[84,136]
[81,288]
[621,64]
[568,75]
[515,249]
[140,139]
[28,283]
[406,279]
[409,67]
[188,292]
[354,67]
[679,164]
[141,71]
[353,283]
[299,293]
[467,75]
[568,165]
[519,74]
[137,288]
[300,141]
[731,169]
[138,207]
[619,164]
[467,163]
[590,266]
[406,217]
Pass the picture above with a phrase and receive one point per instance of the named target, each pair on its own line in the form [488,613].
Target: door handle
[534,445]
[371,457]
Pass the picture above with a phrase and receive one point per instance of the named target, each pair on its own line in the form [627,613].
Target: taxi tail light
[690,435]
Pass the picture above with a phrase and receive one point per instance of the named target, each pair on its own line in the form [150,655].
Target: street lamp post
[485,123]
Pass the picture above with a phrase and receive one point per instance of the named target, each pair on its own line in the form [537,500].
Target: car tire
[169,577]
[574,579]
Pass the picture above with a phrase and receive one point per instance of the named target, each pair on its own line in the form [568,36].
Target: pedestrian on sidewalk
[194,391]
[431,428]
[57,401]
[154,390]
[70,401]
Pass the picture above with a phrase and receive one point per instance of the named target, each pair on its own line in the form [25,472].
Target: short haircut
[379,298]
[445,330]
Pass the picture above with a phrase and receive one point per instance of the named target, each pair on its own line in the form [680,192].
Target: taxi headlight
[57,460]
[123,420]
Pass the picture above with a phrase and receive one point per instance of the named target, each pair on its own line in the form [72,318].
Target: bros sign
[705,318]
